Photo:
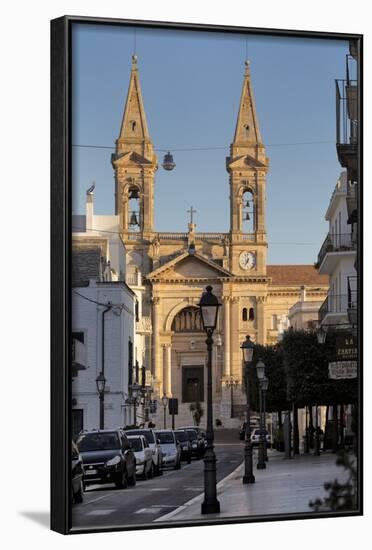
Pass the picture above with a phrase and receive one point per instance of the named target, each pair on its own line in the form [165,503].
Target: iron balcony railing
[336,242]
[337,303]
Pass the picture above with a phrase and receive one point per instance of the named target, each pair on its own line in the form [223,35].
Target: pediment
[189,266]
[246,160]
[131,158]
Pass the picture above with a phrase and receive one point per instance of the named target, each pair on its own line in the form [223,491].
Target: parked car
[185,445]
[157,459]
[197,443]
[170,448]
[242,430]
[143,455]
[77,475]
[107,458]
[255,437]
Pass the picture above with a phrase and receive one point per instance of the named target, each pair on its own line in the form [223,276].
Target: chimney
[89,209]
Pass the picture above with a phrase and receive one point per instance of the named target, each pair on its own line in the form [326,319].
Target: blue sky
[191,84]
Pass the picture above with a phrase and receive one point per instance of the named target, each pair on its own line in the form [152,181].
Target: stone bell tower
[247,166]
[135,164]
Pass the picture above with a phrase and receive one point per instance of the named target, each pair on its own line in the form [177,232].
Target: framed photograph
[206,275]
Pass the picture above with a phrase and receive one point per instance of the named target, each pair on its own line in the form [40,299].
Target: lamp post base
[248,479]
[210,507]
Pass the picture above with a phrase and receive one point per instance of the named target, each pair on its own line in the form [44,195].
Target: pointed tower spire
[134,135]
[247,131]
[135,163]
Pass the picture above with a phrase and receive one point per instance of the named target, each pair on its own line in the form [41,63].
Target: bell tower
[247,166]
[135,164]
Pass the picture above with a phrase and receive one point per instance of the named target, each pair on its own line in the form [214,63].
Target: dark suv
[108,458]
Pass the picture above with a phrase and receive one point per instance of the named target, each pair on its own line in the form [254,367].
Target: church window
[251,314]
[187,320]
[248,212]
[133,125]
[244,314]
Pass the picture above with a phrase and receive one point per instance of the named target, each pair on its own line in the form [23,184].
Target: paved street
[148,500]
[286,486]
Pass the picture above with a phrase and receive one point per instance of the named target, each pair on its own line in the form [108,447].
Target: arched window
[251,314]
[244,314]
[187,320]
[248,212]
[133,208]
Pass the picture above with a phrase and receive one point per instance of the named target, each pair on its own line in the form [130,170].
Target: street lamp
[164,401]
[321,335]
[209,306]
[101,383]
[247,349]
[260,369]
[135,392]
[265,387]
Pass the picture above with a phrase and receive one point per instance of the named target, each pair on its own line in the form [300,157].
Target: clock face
[247,260]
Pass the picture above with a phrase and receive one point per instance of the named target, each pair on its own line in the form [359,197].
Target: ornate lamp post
[247,349]
[101,383]
[260,369]
[265,387]
[209,313]
[135,392]
[164,401]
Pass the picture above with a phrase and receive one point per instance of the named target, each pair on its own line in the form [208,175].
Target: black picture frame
[61,118]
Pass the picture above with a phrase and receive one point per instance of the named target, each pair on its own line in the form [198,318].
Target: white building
[99,283]
[337,259]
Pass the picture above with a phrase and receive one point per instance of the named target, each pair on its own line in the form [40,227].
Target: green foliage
[197,412]
[306,366]
[341,496]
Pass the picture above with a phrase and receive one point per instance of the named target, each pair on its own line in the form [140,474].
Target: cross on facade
[191,212]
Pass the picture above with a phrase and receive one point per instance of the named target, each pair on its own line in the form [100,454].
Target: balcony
[336,307]
[347,122]
[333,245]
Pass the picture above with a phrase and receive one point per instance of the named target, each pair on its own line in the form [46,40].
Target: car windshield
[98,441]
[191,434]
[147,433]
[258,432]
[182,436]
[165,437]
[136,443]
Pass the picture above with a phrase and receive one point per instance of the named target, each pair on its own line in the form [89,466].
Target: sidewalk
[285,486]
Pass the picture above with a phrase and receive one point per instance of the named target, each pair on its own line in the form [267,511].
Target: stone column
[235,351]
[226,333]
[168,369]
[261,325]
[157,363]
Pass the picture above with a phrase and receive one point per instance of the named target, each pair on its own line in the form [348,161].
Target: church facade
[175,267]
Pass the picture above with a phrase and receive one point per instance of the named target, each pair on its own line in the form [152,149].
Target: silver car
[170,448]
[143,455]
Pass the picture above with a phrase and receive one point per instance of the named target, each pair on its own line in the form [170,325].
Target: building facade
[175,268]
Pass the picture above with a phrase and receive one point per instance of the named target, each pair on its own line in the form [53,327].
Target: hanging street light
[168,162]
[209,306]
[247,348]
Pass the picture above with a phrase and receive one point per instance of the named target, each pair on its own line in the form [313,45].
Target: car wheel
[178,464]
[189,458]
[150,473]
[133,479]
[79,496]
[122,480]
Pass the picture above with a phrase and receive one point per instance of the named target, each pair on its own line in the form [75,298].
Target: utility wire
[98,303]
[205,148]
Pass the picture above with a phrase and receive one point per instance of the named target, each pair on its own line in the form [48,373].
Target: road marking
[198,498]
[101,512]
[193,488]
[95,500]
[159,489]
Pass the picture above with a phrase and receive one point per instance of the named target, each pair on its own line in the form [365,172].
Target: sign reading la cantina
[346,365]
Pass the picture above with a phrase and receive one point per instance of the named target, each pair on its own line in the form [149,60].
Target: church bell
[133,219]
[168,162]
[133,194]
[246,217]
